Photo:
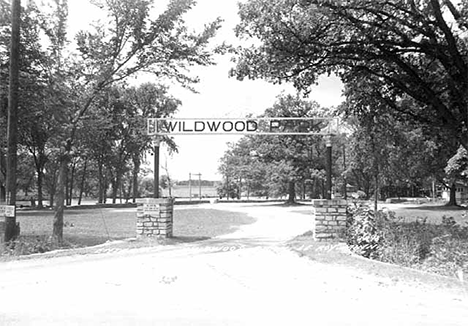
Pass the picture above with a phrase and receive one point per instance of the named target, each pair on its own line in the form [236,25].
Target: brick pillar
[155,217]
[329,219]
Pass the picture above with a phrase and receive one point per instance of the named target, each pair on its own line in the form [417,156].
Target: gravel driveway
[248,277]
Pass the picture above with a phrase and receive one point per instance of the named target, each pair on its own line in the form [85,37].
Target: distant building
[461,193]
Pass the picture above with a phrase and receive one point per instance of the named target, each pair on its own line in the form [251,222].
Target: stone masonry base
[155,217]
[330,219]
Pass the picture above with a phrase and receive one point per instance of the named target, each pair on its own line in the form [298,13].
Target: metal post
[157,143]
[329,167]
[345,181]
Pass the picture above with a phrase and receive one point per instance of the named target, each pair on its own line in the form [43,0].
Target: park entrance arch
[155,214]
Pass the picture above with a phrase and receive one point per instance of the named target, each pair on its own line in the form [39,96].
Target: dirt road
[248,277]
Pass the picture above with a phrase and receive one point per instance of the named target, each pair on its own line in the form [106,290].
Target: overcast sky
[218,95]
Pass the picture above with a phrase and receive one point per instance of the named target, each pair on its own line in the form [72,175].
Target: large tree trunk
[136,171]
[66,186]
[2,193]
[453,195]
[128,191]
[101,183]
[83,178]
[71,184]
[291,192]
[39,163]
[115,183]
[376,192]
[39,188]
[60,200]
[51,198]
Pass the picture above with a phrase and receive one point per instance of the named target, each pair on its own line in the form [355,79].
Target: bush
[449,250]
[382,236]
[448,256]
[363,236]
[28,245]
[405,244]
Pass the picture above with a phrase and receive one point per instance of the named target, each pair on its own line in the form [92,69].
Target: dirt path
[248,277]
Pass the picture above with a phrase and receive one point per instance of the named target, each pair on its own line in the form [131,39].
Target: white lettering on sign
[250,126]
[7,211]
[151,209]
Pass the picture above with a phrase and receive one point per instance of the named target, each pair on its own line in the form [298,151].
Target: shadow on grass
[189,239]
[278,204]
[89,241]
[436,208]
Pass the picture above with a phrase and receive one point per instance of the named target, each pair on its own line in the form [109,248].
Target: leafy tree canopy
[457,166]
[410,55]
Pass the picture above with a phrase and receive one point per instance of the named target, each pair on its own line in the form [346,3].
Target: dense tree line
[274,166]
[375,156]
[405,70]
[81,124]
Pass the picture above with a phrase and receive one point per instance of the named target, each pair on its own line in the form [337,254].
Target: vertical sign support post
[157,143]
[329,166]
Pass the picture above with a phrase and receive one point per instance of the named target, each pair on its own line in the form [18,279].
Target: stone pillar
[330,219]
[155,217]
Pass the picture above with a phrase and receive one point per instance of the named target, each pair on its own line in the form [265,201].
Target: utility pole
[12,127]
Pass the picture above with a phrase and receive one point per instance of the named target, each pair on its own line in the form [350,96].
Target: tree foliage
[409,55]
[78,116]
[278,165]
[457,166]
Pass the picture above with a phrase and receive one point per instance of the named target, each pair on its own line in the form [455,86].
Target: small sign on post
[7,211]
[151,209]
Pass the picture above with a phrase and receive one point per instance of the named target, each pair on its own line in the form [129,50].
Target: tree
[279,163]
[148,100]
[456,169]
[127,43]
[34,123]
[405,52]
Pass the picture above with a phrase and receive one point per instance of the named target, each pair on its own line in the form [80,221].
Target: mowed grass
[432,212]
[89,227]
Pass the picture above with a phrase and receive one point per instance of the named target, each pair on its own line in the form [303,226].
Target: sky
[218,95]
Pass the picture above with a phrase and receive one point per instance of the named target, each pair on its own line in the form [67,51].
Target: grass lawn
[88,227]
[432,212]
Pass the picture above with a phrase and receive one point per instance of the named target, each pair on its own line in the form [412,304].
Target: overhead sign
[7,211]
[247,126]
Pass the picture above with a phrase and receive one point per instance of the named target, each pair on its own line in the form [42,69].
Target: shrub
[448,256]
[363,236]
[382,236]
[404,243]
[28,245]
[449,250]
